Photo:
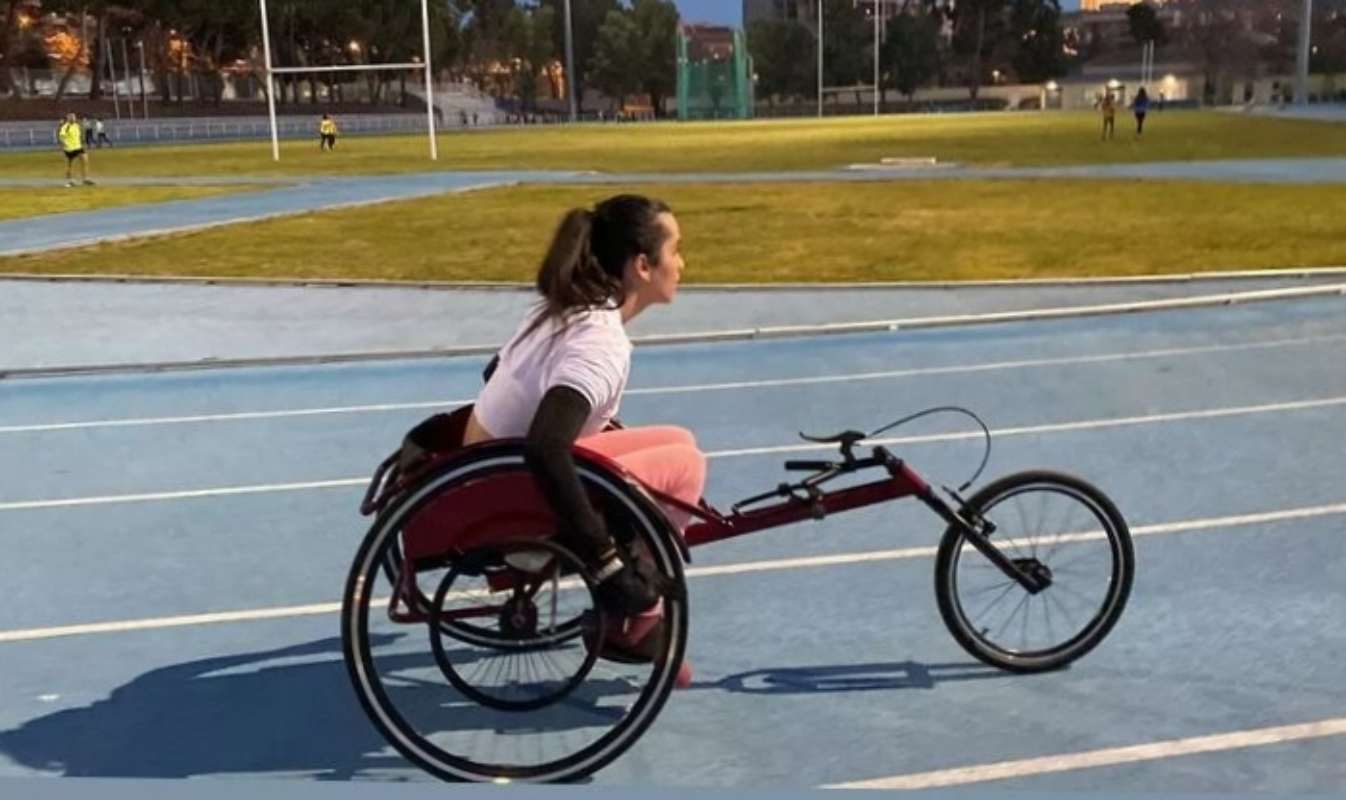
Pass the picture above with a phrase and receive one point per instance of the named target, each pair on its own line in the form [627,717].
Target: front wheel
[1058,526]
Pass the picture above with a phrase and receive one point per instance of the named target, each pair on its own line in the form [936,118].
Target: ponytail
[586,261]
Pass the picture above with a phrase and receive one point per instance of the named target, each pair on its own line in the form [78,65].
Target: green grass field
[1025,139]
[765,233]
[20,203]
[919,230]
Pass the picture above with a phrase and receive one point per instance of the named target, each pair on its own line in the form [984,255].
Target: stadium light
[820,59]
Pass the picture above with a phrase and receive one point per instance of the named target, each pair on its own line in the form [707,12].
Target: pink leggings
[663,457]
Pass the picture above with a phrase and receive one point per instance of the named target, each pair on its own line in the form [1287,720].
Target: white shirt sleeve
[591,365]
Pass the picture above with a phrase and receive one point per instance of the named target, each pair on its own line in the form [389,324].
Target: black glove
[625,589]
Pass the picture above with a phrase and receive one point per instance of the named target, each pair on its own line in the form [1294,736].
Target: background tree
[911,51]
[1214,30]
[530,37]
[778,49]
[1329,43]
[978,25]
[847,60]
[615,53]
[1039,53]
[587,17]
[1143,21]
[656,24]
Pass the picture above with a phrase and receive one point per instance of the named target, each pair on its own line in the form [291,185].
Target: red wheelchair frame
[482,508]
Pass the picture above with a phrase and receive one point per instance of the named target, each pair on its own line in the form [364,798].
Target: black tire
[431,734]
[957,559]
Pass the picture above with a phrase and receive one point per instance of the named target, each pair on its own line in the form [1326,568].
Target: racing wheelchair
[525,678]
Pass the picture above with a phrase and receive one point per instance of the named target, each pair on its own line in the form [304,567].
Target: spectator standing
[327,132]
[70,137]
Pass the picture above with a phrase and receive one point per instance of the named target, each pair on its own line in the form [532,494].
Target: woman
[559,381]
[1140,106]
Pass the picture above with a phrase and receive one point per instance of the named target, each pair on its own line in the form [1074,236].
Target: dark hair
[583,267]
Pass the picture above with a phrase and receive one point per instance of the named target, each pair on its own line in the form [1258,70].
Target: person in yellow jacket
[70,137]
[327,130]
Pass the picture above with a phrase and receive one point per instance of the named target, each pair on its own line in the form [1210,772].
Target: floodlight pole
[820,59]
[1302,71]
[429,81]
[570,64]
[112,73]
[876,57]
[144,96]
[270,84]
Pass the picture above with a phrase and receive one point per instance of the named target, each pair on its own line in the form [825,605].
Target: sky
[730,12]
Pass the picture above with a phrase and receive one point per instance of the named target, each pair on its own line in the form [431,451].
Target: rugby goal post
[429,77]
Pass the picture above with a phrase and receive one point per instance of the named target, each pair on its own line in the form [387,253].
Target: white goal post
[273,71]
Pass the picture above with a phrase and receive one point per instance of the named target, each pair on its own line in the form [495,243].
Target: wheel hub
[519,618]
[1039,571]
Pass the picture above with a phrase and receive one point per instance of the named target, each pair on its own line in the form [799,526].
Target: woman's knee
[692,463]
[672,435]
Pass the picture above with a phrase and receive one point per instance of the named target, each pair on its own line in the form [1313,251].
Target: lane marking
[1112,756]
[1060,427]
[691,388]
[194,493]
[842,559]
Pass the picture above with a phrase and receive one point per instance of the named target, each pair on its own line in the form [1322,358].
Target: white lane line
[1060,427]
[153,496]
[691,388]
[1112,756]
[842,559]
[232,417]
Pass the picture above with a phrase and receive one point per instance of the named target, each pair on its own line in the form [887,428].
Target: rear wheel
[507,688]
[1059,527]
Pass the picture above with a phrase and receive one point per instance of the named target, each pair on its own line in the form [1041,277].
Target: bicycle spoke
[1064,610]
[1013,613]
[991,588]
[1076,560]
[1047,614]
[1060,540]
[997,599]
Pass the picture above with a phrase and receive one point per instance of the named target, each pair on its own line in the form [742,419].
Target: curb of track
[1288,273]
[744,334]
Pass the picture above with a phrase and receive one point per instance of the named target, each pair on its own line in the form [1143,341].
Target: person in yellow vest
[327,129]
[70,137]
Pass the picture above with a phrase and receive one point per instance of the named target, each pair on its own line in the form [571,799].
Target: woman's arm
[555,428]
[548,451]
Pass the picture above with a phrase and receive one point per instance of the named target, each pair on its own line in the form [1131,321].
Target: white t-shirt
[592,356]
